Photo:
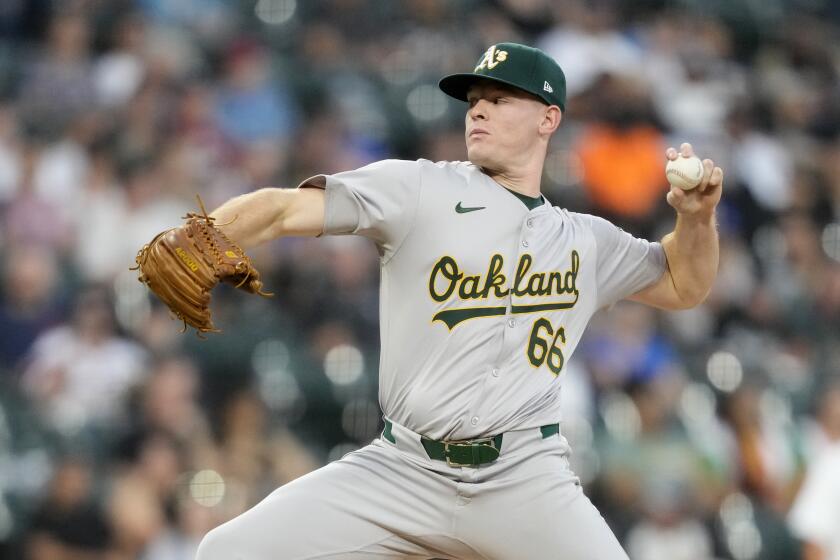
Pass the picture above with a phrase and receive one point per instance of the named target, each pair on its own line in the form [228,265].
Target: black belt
[466,453]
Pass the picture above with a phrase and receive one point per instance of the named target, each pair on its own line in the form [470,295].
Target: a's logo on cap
[491,59]
[547,87]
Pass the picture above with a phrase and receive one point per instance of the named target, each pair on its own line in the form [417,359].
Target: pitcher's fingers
[675,197]
[717,177]
[686,150]
[708,166]
[671,153]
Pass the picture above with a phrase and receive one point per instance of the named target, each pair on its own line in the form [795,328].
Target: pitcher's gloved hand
[182,265]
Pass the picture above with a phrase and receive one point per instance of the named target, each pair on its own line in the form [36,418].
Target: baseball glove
[182,265]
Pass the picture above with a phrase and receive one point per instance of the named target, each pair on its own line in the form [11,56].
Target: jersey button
[495,372]
[525,244]
[474,420]
[511,323]
[530,222]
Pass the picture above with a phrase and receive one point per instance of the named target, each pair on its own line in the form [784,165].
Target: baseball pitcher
[486,289]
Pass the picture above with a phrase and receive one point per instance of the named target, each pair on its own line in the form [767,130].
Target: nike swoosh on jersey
[463,210]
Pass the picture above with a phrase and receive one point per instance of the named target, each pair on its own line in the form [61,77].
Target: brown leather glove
[182,265]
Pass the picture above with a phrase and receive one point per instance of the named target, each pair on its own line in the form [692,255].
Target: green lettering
[448,269]
[537,346]
[469,287]
[495,279]
[539,350]
[536,285]
[452,317]
[571,276]
[521,271]
[555,283]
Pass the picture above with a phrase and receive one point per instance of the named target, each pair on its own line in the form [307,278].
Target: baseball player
[486,288]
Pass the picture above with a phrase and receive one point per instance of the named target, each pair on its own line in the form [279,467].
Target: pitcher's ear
[551,119]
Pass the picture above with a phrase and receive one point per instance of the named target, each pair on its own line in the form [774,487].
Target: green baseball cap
[516,65]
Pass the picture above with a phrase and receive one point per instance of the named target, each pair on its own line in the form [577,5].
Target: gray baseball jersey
[482,300]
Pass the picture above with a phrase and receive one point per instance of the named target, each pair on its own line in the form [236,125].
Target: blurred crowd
[707,434]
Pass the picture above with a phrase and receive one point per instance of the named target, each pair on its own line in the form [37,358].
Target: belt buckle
[489,441]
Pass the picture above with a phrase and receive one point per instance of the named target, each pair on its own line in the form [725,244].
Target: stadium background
[122,439]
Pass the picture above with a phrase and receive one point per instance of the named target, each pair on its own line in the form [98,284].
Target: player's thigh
[363,506]
[541,513]
[572,529]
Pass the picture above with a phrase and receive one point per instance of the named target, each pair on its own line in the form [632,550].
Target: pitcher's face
[501,125]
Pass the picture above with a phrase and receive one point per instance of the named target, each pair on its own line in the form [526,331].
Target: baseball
[684,172]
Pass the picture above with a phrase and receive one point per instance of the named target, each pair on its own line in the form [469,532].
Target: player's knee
[217,545]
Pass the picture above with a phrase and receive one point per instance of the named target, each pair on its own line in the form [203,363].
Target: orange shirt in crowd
[624,170]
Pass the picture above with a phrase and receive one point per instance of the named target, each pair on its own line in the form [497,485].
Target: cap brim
[457,85]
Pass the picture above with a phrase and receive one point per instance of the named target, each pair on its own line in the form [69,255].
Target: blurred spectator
[149,491]
[252,106]
[622,153]
[587,44]
[11,164]
[761,162]
[765,455]
[179,541]
[119,72]
[803,284]
[68,524]
[213,20]
[826,430]
[252,461]
[30,303]
[79,373]
[136,513]
[58,85]
[830,165]
[151,205]
[695,83]
[168,401]
[209,154]
[100,209]
[650,465]
[33,217]
[668,531]
[815,515]
[623,346]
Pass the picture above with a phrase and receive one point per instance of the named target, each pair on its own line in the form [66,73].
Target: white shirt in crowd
[815,516]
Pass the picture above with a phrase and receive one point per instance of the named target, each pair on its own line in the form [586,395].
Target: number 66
[539,349]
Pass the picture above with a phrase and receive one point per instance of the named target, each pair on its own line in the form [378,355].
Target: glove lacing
[211,242]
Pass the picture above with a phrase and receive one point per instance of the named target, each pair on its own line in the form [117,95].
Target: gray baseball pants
[391,501]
